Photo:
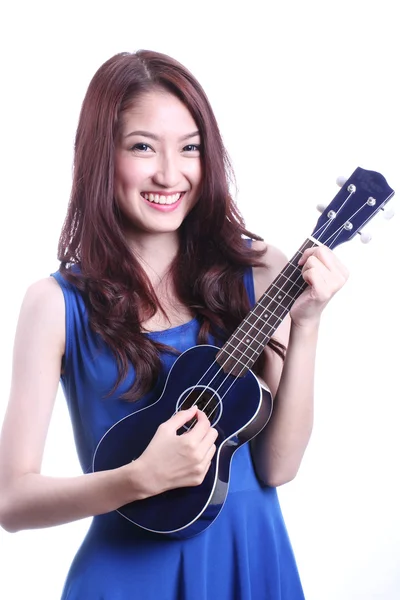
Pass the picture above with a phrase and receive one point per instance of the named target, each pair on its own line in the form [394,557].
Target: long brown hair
[208,269]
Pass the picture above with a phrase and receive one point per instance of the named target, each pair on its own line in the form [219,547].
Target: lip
[163,207]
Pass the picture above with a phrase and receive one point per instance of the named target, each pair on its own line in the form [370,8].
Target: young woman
[155,258]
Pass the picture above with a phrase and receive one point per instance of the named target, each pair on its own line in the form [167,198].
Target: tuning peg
[365,236]
[341,180]
[388,213]
[321,207]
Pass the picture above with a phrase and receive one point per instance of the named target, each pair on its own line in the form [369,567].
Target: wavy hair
[212,258]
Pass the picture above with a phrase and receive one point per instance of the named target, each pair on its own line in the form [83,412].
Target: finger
[330,267]
[210,454]
[316,280]
[202,421]
[306,255]
[314,270]
[329,259]
[183,416]
[211,436]
[323,283]
[203,444]
[207,442]
[318,251]
[326,257]
[200,429]
[312,262]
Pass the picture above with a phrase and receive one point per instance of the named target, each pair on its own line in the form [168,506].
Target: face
[157,164]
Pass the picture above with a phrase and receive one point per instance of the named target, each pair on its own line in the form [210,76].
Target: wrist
[307,328]
[135,482]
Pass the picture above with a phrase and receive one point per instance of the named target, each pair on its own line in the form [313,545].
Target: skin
[168,164]
[279,448]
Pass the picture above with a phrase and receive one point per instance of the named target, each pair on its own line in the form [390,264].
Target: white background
[304,92]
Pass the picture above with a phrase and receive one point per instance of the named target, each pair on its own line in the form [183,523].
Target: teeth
[160,199]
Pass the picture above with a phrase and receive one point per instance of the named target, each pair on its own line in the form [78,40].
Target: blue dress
[244,555]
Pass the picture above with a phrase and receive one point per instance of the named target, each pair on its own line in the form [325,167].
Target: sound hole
[206,400]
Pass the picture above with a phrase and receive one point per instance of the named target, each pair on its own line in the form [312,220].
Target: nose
[167,173]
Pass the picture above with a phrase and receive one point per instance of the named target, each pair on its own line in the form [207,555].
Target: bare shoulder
[43,307]
[44,291]
[274,261]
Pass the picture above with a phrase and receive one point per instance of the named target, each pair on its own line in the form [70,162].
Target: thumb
[183,416]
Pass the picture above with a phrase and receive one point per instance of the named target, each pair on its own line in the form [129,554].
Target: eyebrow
[156,137]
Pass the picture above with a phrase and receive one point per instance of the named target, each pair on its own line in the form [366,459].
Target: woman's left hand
[325,275]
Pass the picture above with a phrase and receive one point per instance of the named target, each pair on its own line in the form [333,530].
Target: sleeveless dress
[244,555]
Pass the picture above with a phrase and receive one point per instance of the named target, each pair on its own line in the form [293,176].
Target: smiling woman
[155,258]
[157,170]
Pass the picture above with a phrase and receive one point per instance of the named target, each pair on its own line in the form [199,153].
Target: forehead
[158,111]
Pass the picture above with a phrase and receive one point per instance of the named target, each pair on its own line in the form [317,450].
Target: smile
[163,199]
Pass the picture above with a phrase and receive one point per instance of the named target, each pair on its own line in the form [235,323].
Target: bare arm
[29,499]
[278,450]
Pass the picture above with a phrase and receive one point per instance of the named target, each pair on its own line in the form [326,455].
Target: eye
[141,147]
[192,148]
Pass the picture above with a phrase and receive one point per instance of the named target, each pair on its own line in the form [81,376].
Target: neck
[155,253]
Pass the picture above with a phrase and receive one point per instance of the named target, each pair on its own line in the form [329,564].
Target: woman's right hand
[172,460]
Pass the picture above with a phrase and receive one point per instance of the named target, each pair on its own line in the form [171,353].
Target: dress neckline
[172,330]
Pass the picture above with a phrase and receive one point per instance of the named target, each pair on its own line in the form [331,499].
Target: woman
[154,259]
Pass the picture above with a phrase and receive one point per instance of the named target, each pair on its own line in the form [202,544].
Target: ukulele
[221,383]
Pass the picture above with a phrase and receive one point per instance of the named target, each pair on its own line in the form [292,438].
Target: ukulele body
[238,407]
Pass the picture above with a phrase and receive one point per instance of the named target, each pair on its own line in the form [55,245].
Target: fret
[283,283]
[255,321]
[245,348]
[247,342]
[291,295]
[279,298]
[234,365]
[247,326]
[274,308]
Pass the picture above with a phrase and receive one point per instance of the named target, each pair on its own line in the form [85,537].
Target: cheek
[130,174]
[195,175]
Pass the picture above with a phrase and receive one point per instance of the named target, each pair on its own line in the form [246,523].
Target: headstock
[361,196]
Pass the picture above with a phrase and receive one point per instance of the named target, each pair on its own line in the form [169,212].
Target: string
[229,356]
[245,365]
[318,235]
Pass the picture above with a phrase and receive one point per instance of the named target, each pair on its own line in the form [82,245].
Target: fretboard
[247,342]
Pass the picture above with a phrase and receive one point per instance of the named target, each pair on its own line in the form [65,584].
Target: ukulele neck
[245,345]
